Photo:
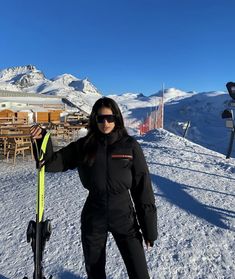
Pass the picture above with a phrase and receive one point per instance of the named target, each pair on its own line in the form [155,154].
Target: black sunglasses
[109,117]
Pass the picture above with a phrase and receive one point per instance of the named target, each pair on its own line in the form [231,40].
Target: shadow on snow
[68,275]
[188,169]
[175,193]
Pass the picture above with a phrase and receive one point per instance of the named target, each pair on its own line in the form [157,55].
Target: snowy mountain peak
[84,86]
[12,72]
[23,76]
[65,79]
[70,81]
[30,79]
[89,87]
[132,95]
[173,93]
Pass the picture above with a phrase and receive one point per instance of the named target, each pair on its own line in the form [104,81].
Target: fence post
[186,128]
[230,147]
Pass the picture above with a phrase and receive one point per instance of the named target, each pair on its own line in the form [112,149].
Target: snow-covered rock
[19,78]
[13,73]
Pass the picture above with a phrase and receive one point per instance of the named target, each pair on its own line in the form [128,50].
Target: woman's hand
[148,244]
[36,132]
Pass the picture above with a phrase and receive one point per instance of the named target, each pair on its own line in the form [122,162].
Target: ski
[39,231]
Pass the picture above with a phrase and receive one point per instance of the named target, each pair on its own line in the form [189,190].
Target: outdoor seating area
[15,139]
[15,123]
[63,132]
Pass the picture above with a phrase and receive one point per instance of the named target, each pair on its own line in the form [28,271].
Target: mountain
[203,109]
[173,94]
[192,181]
[29,79]
[194,193]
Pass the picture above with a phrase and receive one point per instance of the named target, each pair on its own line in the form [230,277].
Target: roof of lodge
[17,95]
[6,93]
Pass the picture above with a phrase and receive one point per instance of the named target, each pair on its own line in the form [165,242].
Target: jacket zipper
[106,179]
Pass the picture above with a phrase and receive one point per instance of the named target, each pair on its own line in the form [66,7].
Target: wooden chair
[2,147]
[18,145]
[28,142]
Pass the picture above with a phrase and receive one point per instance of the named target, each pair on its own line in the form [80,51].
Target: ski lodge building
[26,108]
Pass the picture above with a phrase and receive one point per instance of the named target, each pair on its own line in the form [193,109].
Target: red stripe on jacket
[122,156]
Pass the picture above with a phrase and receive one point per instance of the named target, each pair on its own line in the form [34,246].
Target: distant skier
[112,167]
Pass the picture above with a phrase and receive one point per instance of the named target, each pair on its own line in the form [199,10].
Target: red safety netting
[153,121]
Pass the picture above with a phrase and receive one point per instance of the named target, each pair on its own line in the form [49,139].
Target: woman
[112,167]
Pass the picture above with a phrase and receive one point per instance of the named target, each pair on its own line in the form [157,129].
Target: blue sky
[123,45]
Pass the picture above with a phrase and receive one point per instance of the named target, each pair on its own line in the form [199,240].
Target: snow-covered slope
[21,77]
[29,79]
[173,94]
[203,110]
[194,191]
[135,107]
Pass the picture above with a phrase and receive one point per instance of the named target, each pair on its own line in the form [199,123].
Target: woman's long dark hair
[90,146]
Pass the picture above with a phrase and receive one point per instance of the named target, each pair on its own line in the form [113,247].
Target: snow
[192,181]
[203,110]
[173,93]
[194,191]
[13,73]
[29,79]
[31,100]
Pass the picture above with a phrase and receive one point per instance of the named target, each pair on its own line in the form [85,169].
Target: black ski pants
[122,223]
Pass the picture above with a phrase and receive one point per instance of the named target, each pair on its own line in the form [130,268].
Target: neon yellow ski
[39,231]
[41,181]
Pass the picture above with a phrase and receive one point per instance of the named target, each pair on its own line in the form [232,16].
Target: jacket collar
[111,137]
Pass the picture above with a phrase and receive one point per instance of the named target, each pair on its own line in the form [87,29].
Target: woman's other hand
[148,244]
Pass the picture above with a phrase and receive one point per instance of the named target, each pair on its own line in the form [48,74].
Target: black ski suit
[118,178]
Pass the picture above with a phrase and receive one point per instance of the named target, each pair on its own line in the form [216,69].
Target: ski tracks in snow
[194,190]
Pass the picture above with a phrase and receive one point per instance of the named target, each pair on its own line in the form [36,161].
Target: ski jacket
[119,166]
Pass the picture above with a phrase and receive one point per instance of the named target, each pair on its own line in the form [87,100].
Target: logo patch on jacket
[122,156]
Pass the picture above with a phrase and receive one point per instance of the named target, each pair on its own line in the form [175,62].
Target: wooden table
[15,128]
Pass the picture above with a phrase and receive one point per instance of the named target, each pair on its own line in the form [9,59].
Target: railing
[13,120]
